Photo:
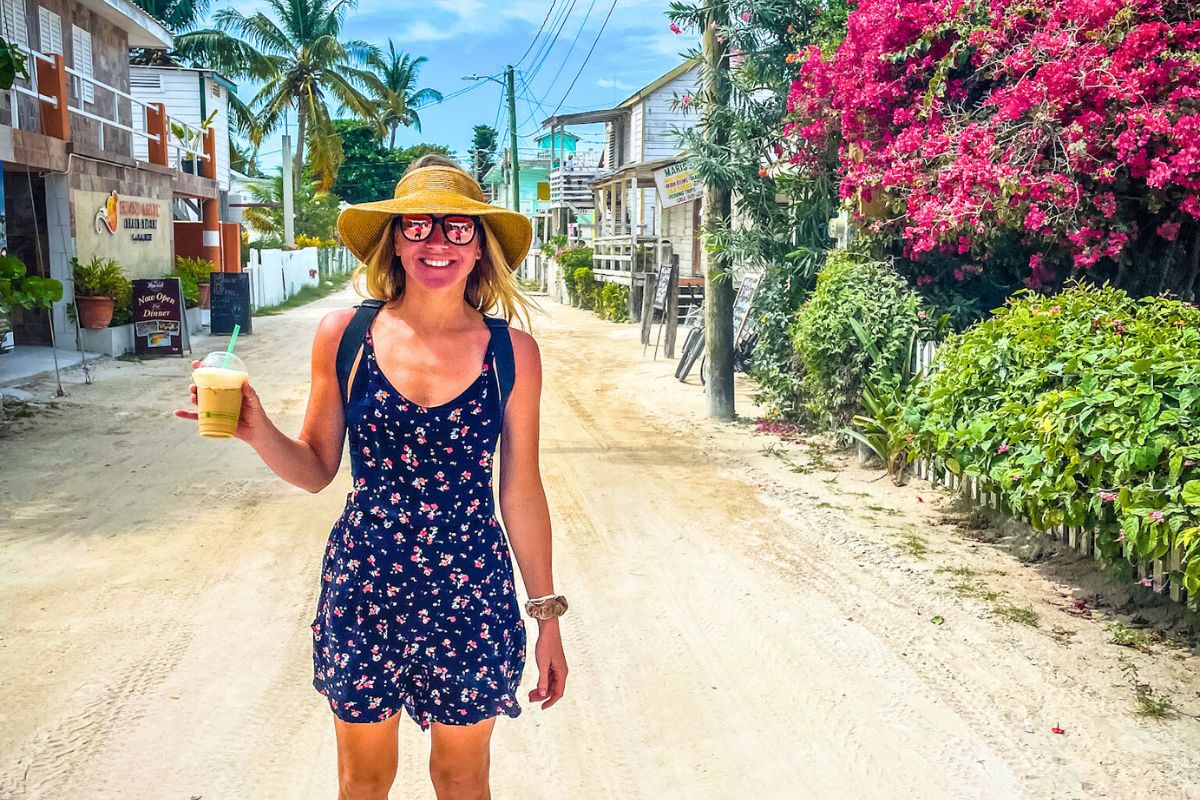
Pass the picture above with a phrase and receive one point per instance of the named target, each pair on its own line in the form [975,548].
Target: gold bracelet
[546,608]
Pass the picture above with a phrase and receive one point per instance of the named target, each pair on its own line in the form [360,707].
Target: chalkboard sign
[742,325]
[663,287]
[230,303]
[158,321]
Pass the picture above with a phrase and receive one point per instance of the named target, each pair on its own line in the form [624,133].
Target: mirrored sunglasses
[456,229]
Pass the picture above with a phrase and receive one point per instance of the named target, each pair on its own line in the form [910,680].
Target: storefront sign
[133,231]
[229,303]
[677,184]
[158,318]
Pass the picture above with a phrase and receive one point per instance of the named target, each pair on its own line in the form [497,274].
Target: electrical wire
[562,67]
[541,28]
[544,53]
[587,57]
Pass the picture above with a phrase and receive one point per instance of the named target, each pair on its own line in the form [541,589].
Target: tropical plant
[834,364]
[369,171]
[100,277]
[397,95]
[882,427]
[12,64]
[19,289]
[303,65]
[1061,132]
[586,287]
[1079,409]
[612,302]
[315,212]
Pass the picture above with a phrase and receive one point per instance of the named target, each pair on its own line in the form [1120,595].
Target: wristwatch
[547,608]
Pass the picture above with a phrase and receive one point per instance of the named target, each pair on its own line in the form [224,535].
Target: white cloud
[612,83]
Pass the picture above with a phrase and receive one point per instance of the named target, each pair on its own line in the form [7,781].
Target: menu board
[230,303]
[158,319]
[663,287]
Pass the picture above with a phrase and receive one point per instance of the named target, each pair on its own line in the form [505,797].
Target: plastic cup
[219,394]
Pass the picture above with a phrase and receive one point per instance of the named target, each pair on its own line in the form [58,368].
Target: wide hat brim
[361,225]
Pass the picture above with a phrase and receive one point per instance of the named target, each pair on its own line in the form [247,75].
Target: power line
[544,53]
[541,28]
[558,73]
[587,57]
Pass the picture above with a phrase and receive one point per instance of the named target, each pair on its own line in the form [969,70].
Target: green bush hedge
[613,303]
[832,359]
[1080,409]
[570,261]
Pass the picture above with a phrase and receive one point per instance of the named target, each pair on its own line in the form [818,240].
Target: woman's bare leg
[367,756]
[460,759]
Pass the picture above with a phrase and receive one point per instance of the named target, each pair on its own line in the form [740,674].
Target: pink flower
[745,16]
[1148,582]
[1107,497]
[1002,448]
[920,315]
[675,29]
[1016,478]
[1155,516]
[1169,231]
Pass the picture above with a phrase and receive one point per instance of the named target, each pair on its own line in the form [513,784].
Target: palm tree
[398,73]
[303,65]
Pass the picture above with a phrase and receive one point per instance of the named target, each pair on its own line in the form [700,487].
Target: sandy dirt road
[749,618]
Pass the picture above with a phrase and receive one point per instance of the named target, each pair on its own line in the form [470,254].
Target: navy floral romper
[418,608]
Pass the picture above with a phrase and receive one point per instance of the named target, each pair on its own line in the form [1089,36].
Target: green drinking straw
[232,339]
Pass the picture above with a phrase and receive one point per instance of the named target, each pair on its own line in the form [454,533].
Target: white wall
[660,118]
[276,275]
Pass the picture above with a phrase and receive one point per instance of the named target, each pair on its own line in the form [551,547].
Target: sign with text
[229,303]
[133,231]
[743,324]
[158,317]
[677,184]
[662,288]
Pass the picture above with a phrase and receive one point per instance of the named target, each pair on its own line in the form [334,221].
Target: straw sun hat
[434,190]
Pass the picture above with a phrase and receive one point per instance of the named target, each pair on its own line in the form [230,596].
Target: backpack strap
[502,358]
[351,345]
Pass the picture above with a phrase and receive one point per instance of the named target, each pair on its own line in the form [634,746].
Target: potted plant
[98,285]
[191,143]
[195,274]
[20,290]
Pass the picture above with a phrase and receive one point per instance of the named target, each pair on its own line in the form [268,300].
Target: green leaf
[1191,494]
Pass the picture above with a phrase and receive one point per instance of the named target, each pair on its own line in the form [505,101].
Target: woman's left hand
[552,665]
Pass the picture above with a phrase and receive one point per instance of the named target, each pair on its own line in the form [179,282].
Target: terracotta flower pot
[204,295]
[94,312]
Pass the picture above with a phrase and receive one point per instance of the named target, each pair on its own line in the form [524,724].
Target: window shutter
[50,31]
[15,28]
[81,45]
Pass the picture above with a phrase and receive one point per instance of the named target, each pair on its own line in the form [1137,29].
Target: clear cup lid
[218,360]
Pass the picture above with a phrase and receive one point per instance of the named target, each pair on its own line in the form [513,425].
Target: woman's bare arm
[311,460]
[525,512]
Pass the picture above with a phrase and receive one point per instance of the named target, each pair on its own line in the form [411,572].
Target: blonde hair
[492,285]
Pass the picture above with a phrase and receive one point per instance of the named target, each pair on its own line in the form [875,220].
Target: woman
[418,610]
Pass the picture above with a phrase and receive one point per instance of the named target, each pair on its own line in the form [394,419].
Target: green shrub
[613,302]
[191,273]
[1080,409]
[553,244]
[103,277]
[586,287]
[833,360]
[570,261]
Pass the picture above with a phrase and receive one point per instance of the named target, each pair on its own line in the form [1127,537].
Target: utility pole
[289,225]
[512,127]
[718,280]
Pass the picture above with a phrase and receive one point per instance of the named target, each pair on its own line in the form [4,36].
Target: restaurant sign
[133,231]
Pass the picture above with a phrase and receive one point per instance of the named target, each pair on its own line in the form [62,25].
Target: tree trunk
[298,167]
[718,280]
[392,140]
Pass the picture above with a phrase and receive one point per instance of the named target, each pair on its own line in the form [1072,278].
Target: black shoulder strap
[352,340]
[502,358]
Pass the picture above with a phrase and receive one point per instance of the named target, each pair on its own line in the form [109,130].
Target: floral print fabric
[418,609]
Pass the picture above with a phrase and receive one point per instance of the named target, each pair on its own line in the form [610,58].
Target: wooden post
[52,82]
[211,234]
[156,125]
[672,312]
[208,166]
[649,279]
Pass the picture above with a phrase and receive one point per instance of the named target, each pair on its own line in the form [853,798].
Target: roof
[143,29]
[215,76]
[624,108]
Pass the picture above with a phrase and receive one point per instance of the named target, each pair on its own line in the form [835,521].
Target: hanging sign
[677,184]
[158,318]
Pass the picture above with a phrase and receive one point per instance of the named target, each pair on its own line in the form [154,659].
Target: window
[49,32]
[81,47]
[12,22]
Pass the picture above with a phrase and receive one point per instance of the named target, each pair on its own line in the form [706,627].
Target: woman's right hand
[252,419]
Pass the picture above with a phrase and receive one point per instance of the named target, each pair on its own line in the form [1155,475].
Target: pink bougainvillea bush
[1071,127]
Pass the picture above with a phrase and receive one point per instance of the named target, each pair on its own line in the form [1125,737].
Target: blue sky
[461,37]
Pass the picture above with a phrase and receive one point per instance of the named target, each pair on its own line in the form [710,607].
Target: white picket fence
[1082,540]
